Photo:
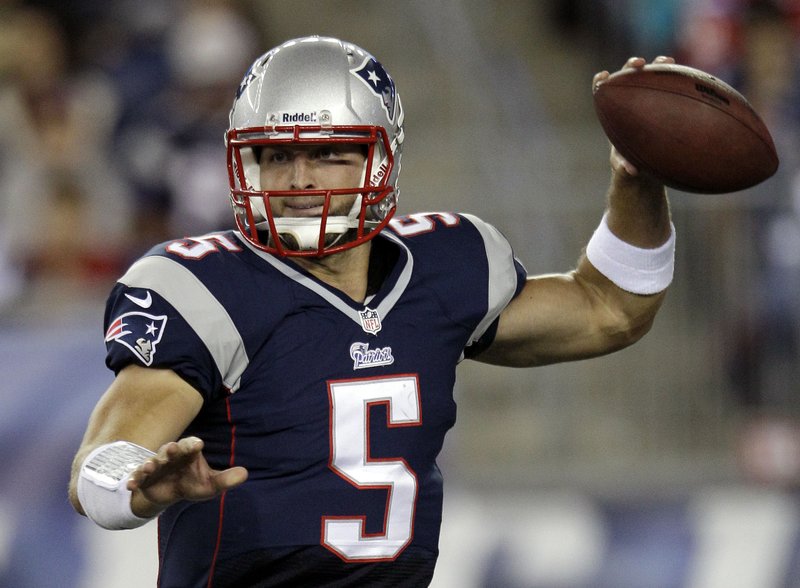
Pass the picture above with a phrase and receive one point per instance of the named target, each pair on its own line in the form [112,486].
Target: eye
[326,152]
[278,156]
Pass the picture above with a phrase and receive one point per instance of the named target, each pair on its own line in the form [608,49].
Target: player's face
[311,167]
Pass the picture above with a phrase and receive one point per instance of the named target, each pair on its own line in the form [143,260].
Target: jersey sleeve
[505,280]
[161,315]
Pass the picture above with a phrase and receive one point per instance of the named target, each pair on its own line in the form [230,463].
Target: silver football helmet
[315,91]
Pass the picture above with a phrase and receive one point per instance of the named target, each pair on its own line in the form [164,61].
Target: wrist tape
[102,484]
[636,270]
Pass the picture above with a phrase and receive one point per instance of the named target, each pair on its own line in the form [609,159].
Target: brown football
[689,129]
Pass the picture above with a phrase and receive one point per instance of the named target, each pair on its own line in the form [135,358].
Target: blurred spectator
[619,28]
[172,145]
[754,44]
[710,36]
[771,79]
[112,117]
[64,209]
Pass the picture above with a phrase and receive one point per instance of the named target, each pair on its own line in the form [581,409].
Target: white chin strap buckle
[305,231]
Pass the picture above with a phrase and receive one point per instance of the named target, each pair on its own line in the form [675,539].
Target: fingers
[168,455]
[599,78]
[183,448]
[633,62]
[641,61]
[179,471]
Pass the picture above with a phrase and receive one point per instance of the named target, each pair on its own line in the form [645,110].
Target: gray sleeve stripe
[502,273]
[201,310]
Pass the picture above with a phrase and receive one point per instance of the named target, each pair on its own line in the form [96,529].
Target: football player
[283,389]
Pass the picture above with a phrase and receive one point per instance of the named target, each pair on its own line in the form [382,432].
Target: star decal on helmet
[248,77]
[371,72]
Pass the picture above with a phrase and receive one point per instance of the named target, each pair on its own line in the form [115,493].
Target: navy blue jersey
[337,408]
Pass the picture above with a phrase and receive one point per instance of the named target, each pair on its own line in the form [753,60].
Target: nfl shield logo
[370,320]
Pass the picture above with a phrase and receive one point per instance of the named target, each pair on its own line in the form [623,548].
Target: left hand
[179,471]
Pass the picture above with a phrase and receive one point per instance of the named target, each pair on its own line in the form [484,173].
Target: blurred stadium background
[671,464]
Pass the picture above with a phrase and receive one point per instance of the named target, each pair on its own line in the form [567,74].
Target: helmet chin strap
[305,232]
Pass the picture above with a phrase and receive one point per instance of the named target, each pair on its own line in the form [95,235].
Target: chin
[289,242]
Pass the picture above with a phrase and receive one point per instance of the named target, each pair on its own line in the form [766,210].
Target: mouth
[303,209]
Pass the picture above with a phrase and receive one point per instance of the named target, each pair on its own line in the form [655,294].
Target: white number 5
[350,458]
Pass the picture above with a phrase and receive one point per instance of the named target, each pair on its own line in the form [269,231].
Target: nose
[302,176]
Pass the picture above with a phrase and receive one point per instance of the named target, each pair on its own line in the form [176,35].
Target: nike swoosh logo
[143,302]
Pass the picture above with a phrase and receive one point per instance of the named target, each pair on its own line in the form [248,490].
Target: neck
[347,271]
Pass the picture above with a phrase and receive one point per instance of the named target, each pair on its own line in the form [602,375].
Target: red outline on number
[389,487]
[403,225]
[214,240]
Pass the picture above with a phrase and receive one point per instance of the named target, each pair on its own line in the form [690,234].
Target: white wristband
[102,484]
[636,270]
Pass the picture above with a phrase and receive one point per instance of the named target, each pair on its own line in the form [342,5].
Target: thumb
[230,478]
[620,163]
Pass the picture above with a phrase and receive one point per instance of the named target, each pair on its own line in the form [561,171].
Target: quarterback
[283,388]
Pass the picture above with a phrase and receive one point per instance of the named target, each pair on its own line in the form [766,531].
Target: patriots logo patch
[371,72]
[364,357]
[138,331]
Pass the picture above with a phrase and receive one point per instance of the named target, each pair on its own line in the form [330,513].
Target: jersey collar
[383,301]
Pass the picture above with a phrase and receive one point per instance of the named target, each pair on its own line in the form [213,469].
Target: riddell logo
[299,117]
[378,175]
